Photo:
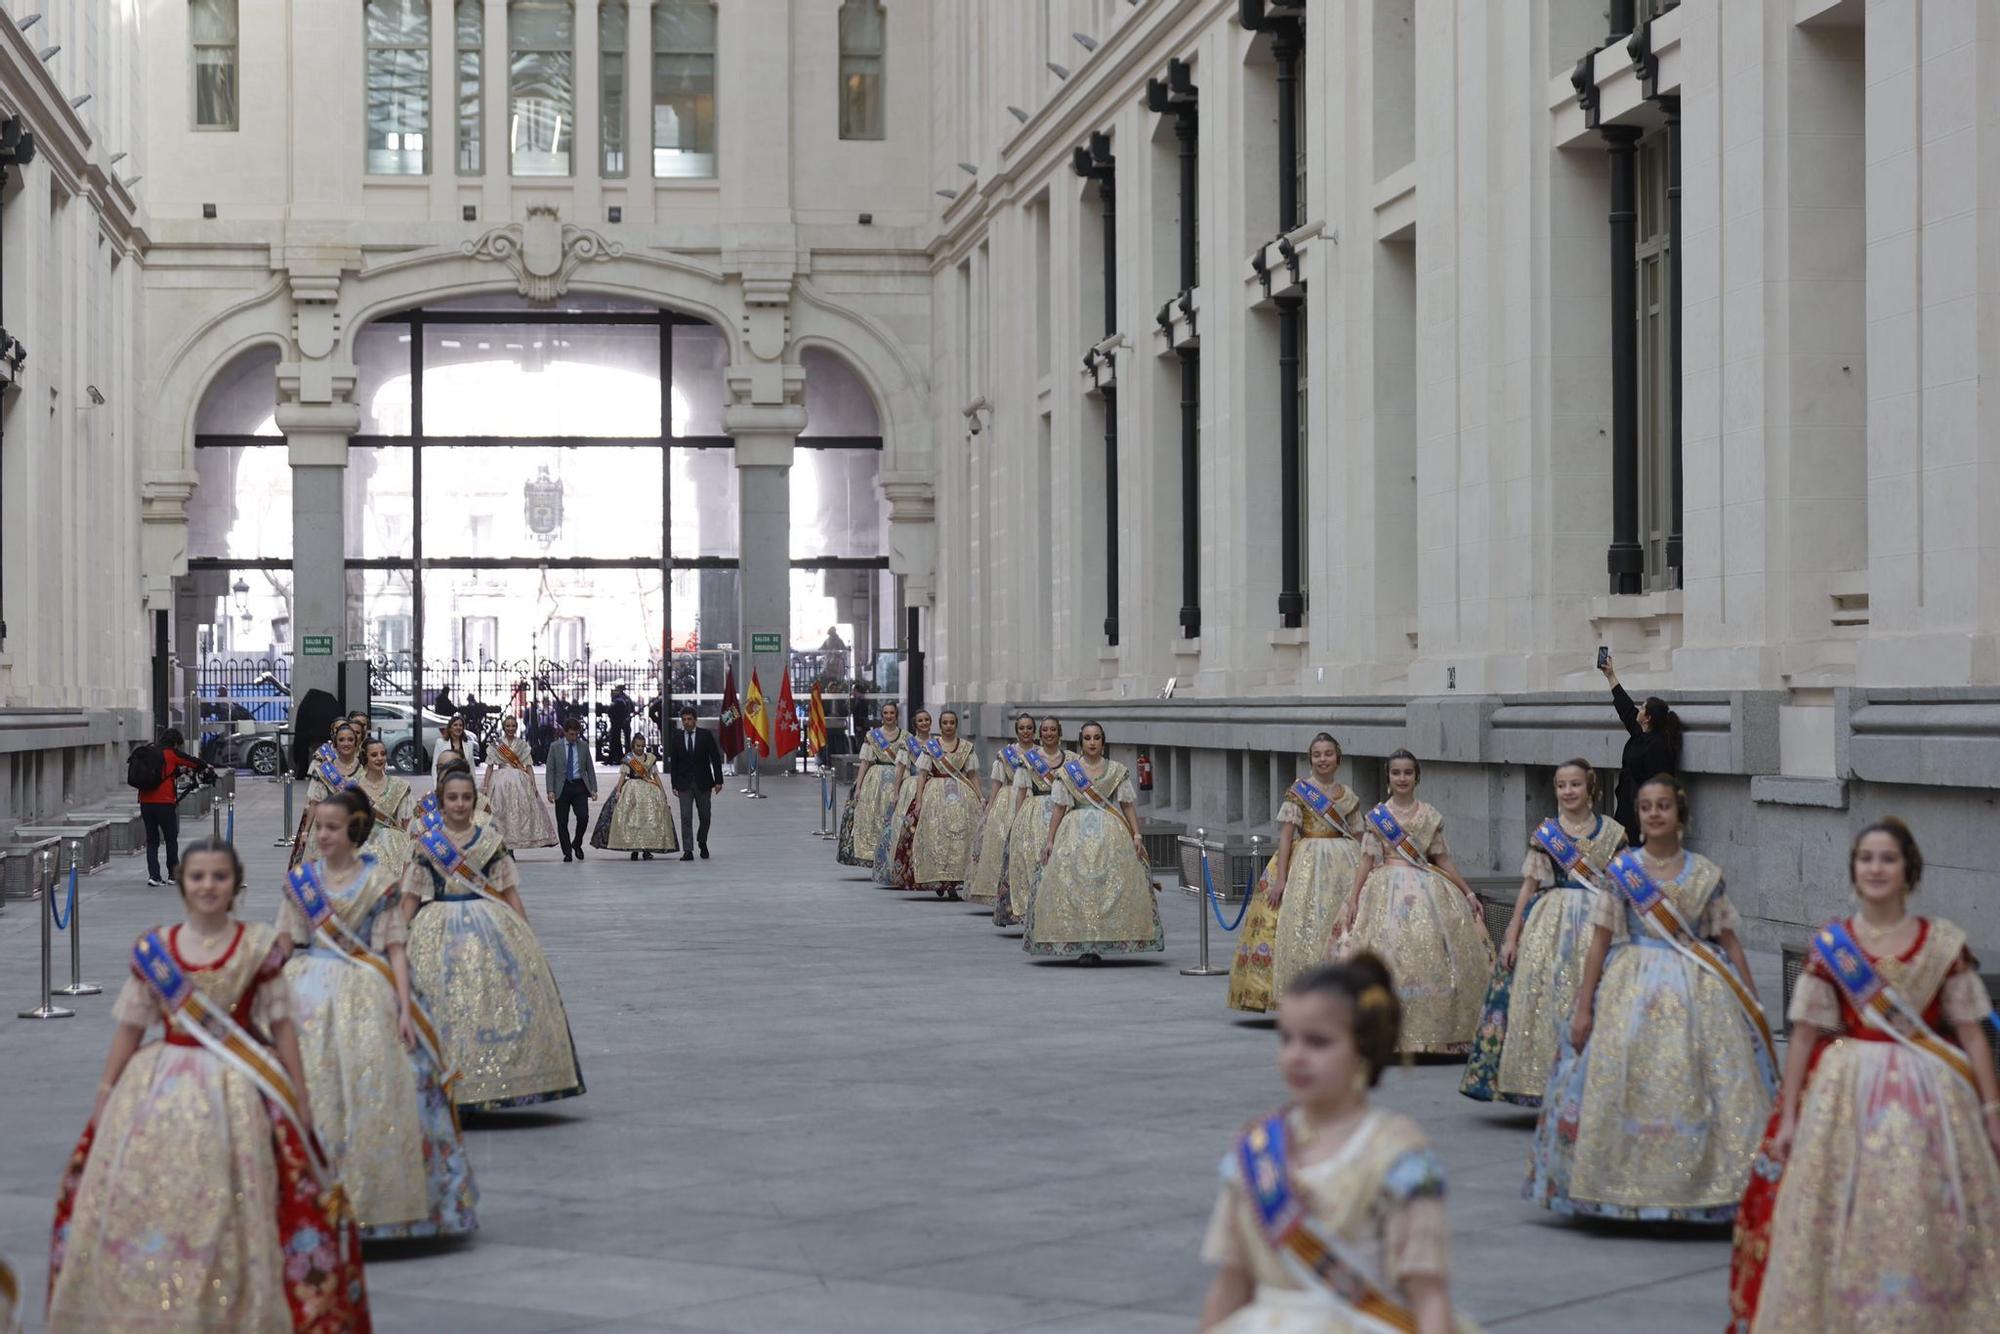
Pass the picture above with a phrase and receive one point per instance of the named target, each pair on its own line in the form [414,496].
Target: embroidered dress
[1095,896]
[189,1206]
[892,861]
[1525,1019]
[1326,852]
[1380,1194]
[1887,1215]
[482,972]
[635,817]
[321,776]
[1034,811]
[1657,1118]
[867,814]
[393,803]
[1434,942]
[519,812]
[989,846]
[378,1108]
[1252,985]
[947,810]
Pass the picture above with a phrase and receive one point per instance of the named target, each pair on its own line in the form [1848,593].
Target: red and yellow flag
[816,722]
[787,730]
[756,719]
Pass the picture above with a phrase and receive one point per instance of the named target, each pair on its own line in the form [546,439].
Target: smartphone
[1603,656]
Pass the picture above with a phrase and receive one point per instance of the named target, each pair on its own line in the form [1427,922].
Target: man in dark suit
[571,776]
[694,766]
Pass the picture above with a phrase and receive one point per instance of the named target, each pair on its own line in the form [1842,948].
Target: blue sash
[429,811]
[326,766]
[876,735]
[1011,756]
[914,746]
[1038,764]
[1315,800]
[1079,779]
[936,748]
[450,859]
[1880,1004]
[1391,829]
[1565,852]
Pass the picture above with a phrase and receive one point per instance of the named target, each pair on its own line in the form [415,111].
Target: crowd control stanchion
[284,839]
[77,986]
[1211,906]
[215,821]
[1202,968]
[46,1010]
[826,829]
[229,831]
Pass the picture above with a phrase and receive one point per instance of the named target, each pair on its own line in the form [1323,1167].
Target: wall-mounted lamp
[1058,70]
[28,22]
[968,168]
[1017,114]
[947,194]
[1085,40]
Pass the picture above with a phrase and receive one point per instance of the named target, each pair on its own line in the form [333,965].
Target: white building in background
[1383,435]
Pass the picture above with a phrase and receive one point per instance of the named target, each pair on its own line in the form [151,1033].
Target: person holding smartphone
[1652,745]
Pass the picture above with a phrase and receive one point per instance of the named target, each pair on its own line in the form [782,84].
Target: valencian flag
[756,718]
[730,733]
[816,723]
[786,733]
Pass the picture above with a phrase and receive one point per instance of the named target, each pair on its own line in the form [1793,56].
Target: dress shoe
[635,857]
[704,852]
[579,852]
[567,859]
[687,856]
[647,856]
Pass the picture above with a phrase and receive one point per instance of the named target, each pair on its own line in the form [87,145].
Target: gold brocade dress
[892,859]
[1381,1193]
[317,790]
[635,817]
[1658,1117]
[1525,1019]
[188,1205]
[1434,942]
[867,816]
[482,972]
[1887,1215]
[1034,811]
[948,814]
[393,803]
[1095,895]
[989,847]
[1326,853]
[519,812]
[1251,972]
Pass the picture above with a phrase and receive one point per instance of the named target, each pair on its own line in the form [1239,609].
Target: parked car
[398,733]
[260,752]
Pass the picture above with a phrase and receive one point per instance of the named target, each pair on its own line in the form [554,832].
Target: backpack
[145,767]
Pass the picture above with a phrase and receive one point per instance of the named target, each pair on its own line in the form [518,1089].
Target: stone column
[317,434]
[765,434]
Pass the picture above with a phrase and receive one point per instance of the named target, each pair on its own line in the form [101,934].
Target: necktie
[572,761]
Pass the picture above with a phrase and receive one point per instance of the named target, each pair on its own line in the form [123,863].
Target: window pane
[541,122]
[684,116]
[534,628]
[704,502]
[379,512]
[213,21]
[382,381]
[399,111]
[533,500]
[683,25]
[215,87]
[861,97]
[471,155]
[611,90]
[836,509]
[541,25]
[861,26]
[398,22]
[611,27]
[471,24]
[700,356]
[241,508]
[542,380]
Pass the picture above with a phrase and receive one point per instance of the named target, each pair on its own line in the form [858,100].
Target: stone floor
[817,1105]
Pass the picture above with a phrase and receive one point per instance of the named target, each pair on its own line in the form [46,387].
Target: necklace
[1868,931]
[211,943]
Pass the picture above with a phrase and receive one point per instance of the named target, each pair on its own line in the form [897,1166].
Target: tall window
[683,88]
[612,23]
[471,42]
[399,86]
[541,97]
[212,31]
[863,52]
[1656,361]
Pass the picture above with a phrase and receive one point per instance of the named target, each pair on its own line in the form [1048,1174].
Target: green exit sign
[766,643]
[316,646]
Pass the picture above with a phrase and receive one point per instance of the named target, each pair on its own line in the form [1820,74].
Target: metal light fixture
[947,194]
[131,181]
[76,103]
[1085,40]
[48,53]
[28,22]
[1058,70]
[241,588]
[1017,113]
[116,158]
[968,168]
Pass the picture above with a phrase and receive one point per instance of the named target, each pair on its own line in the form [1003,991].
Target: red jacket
[163,793]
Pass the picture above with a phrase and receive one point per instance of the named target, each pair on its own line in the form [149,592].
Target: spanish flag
[756,723]
[816,722]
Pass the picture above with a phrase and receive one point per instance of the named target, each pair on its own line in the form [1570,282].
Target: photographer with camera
[1652,745]
[164,773]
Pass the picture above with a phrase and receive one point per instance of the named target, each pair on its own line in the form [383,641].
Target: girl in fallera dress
[635,818]
[1034,812]
[512,794]
[870,801]
[1332,1218]
[476,962]
[452,741]
[892,861]
[1319,855]
[1252,983]
[1095,896]
[1655,1104]
[989,847]
[377,1090]
[1875,1202]
[392,803]
[192,1202]
[1533,993]
[946,809]
[336,765]
[482,809]
[1413,907]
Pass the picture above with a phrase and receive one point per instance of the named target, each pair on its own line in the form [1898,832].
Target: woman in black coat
[1652,747]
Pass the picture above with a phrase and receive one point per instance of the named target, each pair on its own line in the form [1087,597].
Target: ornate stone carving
[543,253]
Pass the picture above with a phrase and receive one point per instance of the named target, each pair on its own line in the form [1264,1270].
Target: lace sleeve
[504,875]
[390,929]
[1537,867]
[1125,796]
[292,923]
[1222,1246]
[1291,813]
[1416,1233]
[1062,796]
[136,1005]
[1815,1002]
[1718,915]
[1608,911]
[1964,995]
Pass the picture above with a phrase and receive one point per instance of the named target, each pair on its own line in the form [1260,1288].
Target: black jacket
[1647,755]
[693,766]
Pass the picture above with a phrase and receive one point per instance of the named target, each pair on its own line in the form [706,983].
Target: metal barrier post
[1207,901]
[46,1010]
[215,821]
[229,833]
[824,800]
[284,839]
[77,986]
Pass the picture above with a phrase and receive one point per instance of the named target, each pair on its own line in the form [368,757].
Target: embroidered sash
[1660,915]
[508,756]
[935,749]
[429,812]
[881,739]
[439,849]
[1080,780]
[308,893]
[1879,1004]
[1043,770]
[1320,804]
[326,767]
[1013,758]
[194,1014]
[1566,853]
[1310,1252]
[1391,829]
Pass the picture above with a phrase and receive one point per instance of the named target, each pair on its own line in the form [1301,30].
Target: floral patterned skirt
[1095,896]
[1528,1007]
[1250,973]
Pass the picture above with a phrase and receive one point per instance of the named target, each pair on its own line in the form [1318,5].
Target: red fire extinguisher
[1145,772]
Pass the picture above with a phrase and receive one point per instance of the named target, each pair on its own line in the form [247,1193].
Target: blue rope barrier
[1208,884]
[229,830]
[64,917]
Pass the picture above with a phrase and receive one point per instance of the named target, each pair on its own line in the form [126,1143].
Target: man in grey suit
[572,782]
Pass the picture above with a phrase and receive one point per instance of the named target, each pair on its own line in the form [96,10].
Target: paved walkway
[816,1105]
